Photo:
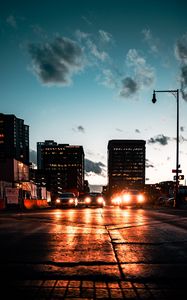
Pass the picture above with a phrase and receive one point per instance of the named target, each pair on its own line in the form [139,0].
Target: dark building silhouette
[86,187]
[60,166]
[14,148]
[126,164]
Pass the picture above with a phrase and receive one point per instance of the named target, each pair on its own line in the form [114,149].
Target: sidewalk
[84,289]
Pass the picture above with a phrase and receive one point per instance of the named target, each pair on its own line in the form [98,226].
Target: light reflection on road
[84,216]
[58,214]
[126,215]
[131,225]
[80,236]
[93,242]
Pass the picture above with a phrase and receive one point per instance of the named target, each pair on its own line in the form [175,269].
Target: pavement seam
[116,256]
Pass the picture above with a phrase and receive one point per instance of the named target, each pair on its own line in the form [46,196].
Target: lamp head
[154,97]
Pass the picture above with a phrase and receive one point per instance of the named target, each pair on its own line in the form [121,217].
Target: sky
[83,72]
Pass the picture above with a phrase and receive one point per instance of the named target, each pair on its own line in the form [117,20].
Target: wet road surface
[94,253]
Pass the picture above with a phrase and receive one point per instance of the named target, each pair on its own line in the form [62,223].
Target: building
[126,164]
[60,166]
[14,149]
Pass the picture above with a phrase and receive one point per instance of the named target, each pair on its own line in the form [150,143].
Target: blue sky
[83,72]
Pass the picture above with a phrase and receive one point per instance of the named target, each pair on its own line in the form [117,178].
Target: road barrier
[35,203]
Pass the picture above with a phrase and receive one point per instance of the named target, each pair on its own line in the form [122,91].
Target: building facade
[61,166]
[126,165]
[14,149]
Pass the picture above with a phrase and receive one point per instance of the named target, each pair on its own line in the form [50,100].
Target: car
[161,201]
[66,199]
[132,198]
[94,199]
[115,200]
[81,200]
[170,202]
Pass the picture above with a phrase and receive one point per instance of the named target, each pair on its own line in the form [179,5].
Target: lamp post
[176,94]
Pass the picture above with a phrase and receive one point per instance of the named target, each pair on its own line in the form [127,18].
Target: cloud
[107,78]
[56,62]
[128,87]
[182,128]
[148,164]
[95,167]
[184,82]
[147,34]
[160,139]
[182,139]
[143,74]
[39,31]
[79,128]
[95,53]
[99,54]
[86,20]
[118,129]
[81,36]
[181,49]
[150,40]
[181,55]
[11,20]
[109,75]
[105,36]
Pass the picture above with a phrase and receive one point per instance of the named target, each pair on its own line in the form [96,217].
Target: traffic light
[180,177]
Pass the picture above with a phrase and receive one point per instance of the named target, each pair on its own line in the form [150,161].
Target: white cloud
[150,40]
[107,78]
[143,74]
[99,54]
[105,36]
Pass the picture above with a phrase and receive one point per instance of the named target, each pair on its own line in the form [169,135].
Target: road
[94,253]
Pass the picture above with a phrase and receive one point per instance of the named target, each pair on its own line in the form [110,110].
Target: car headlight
[71,201]
[140,198]
[126,198]
[99,200]
[87,200]
[57,200]
[116,200]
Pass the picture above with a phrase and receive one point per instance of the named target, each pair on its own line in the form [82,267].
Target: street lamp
[176,94]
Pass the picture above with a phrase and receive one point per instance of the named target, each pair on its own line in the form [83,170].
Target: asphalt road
[94,253]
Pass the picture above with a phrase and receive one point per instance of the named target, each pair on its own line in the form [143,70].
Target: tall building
[14,148]
[40,147]
[61,166]
[126,164]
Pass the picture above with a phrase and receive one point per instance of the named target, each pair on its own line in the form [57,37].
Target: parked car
[161,201]
[94,199]
[169,202]
[133,198]
[66,199]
